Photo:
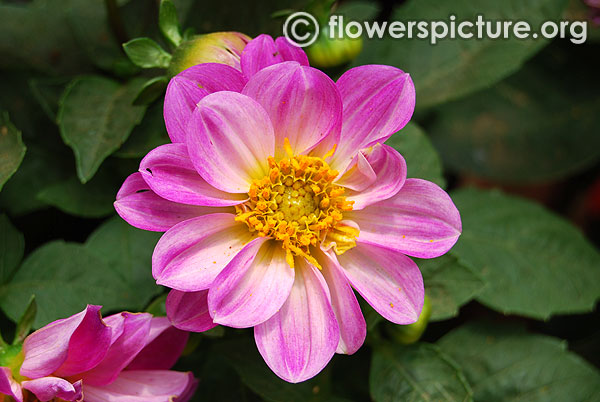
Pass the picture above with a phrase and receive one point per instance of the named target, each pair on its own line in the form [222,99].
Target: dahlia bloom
[125,357]
[278,198]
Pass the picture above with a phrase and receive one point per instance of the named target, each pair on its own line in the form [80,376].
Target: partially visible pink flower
[125,357]
[594,6]
[278,198]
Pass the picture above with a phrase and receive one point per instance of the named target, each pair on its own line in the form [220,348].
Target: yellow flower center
[298,204]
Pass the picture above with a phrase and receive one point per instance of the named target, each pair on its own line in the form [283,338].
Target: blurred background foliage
[510,127]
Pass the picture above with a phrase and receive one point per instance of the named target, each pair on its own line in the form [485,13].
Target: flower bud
[327,52]
[216,47]
[407,334]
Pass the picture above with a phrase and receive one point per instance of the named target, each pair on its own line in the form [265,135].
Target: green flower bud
[327,52]
[407,334]
[216,47]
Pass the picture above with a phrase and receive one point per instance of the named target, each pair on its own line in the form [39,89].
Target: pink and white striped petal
[187,88]
[165,344]
[68,346]
[142,208]
[388,280]
[303,103]
[145,386]
[230,137]
[252,287]
[390,170]
[132,339]
[263,51]
[420,220]
[353,328]
[191,254]
[49,388]
[378,101]
[169,172]
[300,339]
[188,311]
[9,386]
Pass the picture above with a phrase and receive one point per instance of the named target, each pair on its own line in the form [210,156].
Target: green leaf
[128,251]
[146,53]
[533,262]
[12,149]
[422,159]
[168,22]
[420,372]
[96,116]
[93,199]
[158,307]
[12,247]
[455,67]
[508,364]
[26,321]
[449,284]
[152,89]
[150,134]
[47,92]
[64,277]
[515,132]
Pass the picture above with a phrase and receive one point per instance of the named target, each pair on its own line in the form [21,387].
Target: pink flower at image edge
[126,356]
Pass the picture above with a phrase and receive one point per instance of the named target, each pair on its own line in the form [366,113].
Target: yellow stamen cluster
[298,204]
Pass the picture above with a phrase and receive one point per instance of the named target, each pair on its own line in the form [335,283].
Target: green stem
[115,21]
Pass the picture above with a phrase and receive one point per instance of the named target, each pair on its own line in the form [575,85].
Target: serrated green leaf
[93,199]
[95,117]
[12,247]
[64,277]
[533,262]
[146,53]
[420,372]
[453,67]
[149,134]
[515,131]
[26,321]
[12,149]
[422,160]
[152,89]
[449,284]
[128,251]
[505,363]
[169,23]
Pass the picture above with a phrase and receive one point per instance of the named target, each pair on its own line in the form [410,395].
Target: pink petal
[301,338]
[390,170]
[378,101]
[134,337]
[67,346]
[263,52]
[303,103]
[353,328]
[8,385]
[145,386]
[142,208]
[191,254]
[48,388]
[188,311]
[189,86]
[170,173]
[388,280]
[165,345]
[359,173]
[420,220]
[229,140]
[252,287]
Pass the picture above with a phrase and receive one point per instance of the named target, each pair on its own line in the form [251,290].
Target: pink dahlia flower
[125,357]
[278,198]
